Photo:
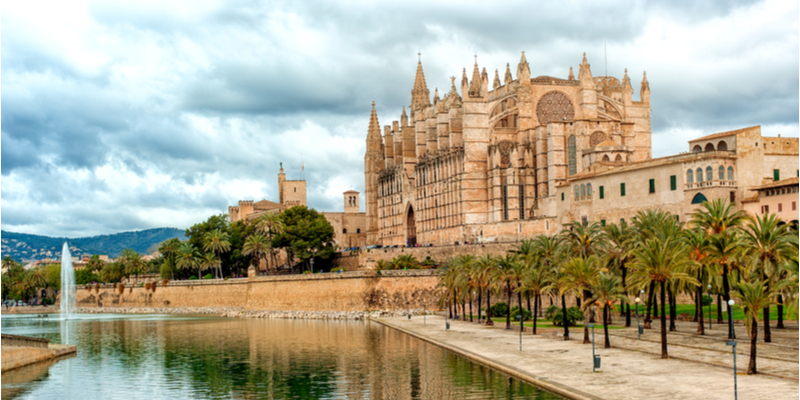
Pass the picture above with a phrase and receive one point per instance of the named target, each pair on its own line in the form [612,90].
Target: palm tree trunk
[751,368]
[528,297]
[767,332]
[463,309]
[470,307]
[625,290]
[480,303]
[647,319]
[508,313]
[719,308]
[672,309]
[605,328]
[726,295]
[539,297]
[655,304]
[489,307]
[701,327]
[564,316]
[780,312]
[585,324]
[663,322]
[535,311]
[450,307]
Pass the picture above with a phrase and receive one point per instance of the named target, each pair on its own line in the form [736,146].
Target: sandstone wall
[365,258]
[350,291]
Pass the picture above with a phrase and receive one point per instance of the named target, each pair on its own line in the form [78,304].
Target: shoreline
[239,312]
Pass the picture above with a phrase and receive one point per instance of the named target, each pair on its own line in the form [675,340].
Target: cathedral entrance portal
[411,228]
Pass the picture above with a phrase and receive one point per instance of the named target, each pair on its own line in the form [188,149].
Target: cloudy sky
[127,115]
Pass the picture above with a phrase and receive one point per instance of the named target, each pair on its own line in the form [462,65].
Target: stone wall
[365,258]
[349,291]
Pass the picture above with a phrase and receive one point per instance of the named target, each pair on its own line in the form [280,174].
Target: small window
[583,191]
[699,198]
[589,189]
[794,205]
[690,176]
[295,189]
[602,192]
[673,182]
[562,196]
[730,173]
[652,185]
[622,189]
[699,175]
[721,172]
[776,175]
[577,192]
[344,230]
[602,222]
[765,210]
[780,207]
[621,221]
[709,173]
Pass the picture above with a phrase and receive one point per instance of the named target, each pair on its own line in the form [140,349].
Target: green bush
[335,270]
[551,311]
[526,315]
[573,314]
[192,278]
[499,309]
[208,276]
[306,272]
[707,300]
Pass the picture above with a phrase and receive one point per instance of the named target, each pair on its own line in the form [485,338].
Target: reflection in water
[198,357]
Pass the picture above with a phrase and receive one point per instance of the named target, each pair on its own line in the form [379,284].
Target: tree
[698,246]
[270,224]
[619,245]
[132,263]
[405,261]
[168,249]
[306,233]
[659,261]
[208,261]
[767,247]
[256,246]
[95,264]
[509,271]
[579,274]
[753,296]
[188,257]
[583,241]
[217,241]
[606,291]
[535,281]
[112,272]
[52,274]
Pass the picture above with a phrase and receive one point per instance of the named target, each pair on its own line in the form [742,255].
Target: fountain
[67,283]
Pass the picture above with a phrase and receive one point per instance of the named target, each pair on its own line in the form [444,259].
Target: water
[67,283]
[188,357]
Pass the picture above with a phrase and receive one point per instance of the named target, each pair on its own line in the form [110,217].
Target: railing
[711,183]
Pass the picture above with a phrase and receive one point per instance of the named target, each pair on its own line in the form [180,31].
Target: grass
[544,323]
[738,312]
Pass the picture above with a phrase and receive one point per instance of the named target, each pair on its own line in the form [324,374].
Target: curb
[557,388]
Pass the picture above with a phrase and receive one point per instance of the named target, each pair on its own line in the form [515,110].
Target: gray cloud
[137,116]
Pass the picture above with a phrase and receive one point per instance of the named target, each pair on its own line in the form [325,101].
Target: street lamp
[638,325]
[732,343]
[409,309]
[731,332]
[595,357]
[519,316]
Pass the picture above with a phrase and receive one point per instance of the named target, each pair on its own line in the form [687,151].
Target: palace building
[525,155]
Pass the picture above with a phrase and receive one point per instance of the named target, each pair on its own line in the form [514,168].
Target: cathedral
[484,165]
[519,157]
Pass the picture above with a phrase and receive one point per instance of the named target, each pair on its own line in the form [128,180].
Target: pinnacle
[420,96]
[508,76]
[571,74]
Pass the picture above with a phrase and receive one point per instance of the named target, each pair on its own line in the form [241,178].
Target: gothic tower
[373,164]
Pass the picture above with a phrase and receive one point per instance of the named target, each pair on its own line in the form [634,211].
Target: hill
[24,247]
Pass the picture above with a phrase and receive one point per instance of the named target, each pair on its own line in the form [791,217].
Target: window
[794,205]
[589,190]
[562,196]
[577,192]
[721,172]
[652,185]
[780,207]
[764,209]
[521,201]
[622,189]
[505,202]
[584,220]
[673,182]
[689,176]
[776,174]
[602,222]
[344,230]
[699,198]
[602,192]
[730,173]
[571,150]
[583,191]
[709,173]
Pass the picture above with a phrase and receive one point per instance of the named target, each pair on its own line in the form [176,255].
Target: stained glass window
[571,150]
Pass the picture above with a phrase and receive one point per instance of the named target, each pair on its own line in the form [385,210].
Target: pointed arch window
[572,150]
[730,173]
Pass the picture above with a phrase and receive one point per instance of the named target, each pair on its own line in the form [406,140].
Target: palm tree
[168,248]
[256,245]
[718,217]
[579,274]
[583,241]
[767,246]
[560,284]
[510,271]
[217,242]
[547,249]
[535,281]
[753,296]
[188,257]
[697,241]
[405,261]
[619,245]
[661,261]
[132,263]
[487,264]
[606,291]
[208,261]
[726,252]
[270,224]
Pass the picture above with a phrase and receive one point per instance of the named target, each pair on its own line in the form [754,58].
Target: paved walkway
[633,368]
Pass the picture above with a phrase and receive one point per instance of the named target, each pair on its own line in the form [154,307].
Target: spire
[524,71]
[453,85]
[626,82]
[475,85]
[420,96]
[571,75]
[374,131]
[585,74]
[404,117]
[508,78]
[497,83]
[645,92]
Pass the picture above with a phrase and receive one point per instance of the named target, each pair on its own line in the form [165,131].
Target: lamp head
[730,302]
[638,300]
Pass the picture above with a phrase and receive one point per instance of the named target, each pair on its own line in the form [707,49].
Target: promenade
[699,367]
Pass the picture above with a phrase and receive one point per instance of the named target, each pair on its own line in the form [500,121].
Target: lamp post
[408,308]
[709,307]
[731,332]
[732,343]
[519,317]
[595,357]
[638,324]
[313,252]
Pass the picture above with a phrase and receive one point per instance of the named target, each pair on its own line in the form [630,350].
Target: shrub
[338,270]
[573,314]
[551,311]
[498,309]
[306,272]
[707,300]
[526,315]
[192,277]
[208,276]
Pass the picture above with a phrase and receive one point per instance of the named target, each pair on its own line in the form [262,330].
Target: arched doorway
[411,228]
[699,198]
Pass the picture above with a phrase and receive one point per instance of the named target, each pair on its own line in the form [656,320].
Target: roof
[607,143]
[723,134]
[266,205]
[780,183]
[351,191]
[751,199]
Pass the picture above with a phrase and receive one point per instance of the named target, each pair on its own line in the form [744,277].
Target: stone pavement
[633,369]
